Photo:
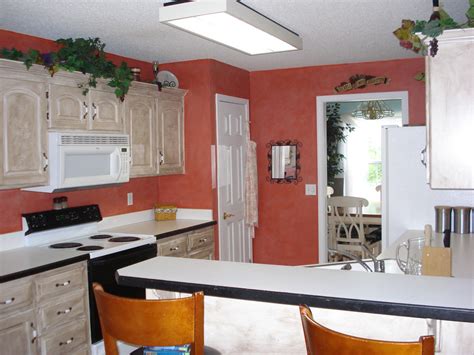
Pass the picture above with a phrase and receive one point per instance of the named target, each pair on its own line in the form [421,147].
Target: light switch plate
[129,198]
[310,189]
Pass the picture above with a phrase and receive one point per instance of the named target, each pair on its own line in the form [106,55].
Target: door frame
[321,152]
[236,100]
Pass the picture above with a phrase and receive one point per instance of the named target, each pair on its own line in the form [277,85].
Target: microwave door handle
[117,164]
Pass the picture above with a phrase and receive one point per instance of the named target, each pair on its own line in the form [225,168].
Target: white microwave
[77,160]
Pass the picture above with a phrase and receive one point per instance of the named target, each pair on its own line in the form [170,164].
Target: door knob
[228,215]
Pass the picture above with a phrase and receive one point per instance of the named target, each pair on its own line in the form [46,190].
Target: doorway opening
[357,169]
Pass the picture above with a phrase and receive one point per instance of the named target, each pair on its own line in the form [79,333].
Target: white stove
[98,244]
[74,232]
[78,239]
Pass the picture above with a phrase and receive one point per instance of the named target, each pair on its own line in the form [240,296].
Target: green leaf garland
[84,55]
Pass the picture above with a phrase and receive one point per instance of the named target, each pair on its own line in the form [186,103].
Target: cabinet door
[105,111]
[170,137]
[23,136]
[18,334]
[450,87]
[68,107]
[140,116]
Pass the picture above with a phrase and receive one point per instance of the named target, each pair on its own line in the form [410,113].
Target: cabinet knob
[45,161]
[94,115]
[174,248]
[423,156]
[8,301]
[65,283]
[86,110]
[162,158]
[67,342]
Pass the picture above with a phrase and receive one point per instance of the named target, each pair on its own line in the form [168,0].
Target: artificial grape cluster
[433,47]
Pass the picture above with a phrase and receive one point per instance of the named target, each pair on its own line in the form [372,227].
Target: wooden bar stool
[323,341]
[151,322]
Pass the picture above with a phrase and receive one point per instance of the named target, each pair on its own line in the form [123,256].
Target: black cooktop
[123,239]
[65,245]
[101,236]
[90,248]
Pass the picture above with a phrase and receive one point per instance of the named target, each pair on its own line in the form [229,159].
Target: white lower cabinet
[197,244]
[46,313]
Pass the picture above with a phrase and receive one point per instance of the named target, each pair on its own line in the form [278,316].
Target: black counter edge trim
[365,306]
[42,268]
[184,230]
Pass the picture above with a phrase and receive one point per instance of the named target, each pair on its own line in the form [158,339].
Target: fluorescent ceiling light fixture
[232,24]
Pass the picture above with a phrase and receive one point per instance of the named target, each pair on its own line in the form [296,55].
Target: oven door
[89,165]
[102,270]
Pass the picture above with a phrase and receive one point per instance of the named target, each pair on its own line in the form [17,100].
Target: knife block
[436,261]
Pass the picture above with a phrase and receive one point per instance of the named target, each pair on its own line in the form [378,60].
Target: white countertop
[27,260]
[157,227]
[306,285]
[20,262]
[462,249]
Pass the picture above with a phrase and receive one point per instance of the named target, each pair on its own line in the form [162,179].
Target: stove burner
[90,248]
[101,236]
[123,239]
[65,245]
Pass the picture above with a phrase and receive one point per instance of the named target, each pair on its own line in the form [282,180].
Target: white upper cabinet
[31,102]
[450,111]
[23,135]
[70,109]
[170,130]
[105,111]
[140,113]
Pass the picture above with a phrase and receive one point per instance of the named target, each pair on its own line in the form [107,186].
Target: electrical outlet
[130,198]
[310,189]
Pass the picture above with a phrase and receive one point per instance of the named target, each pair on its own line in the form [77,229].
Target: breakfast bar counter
[446,298]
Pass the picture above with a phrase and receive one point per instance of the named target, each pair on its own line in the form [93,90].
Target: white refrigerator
[407,199]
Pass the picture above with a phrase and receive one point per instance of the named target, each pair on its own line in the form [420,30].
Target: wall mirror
[284,162]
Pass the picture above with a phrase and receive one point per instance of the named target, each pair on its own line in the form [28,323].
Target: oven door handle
[116,258]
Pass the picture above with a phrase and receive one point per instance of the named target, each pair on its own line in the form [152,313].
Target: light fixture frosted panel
[232,32]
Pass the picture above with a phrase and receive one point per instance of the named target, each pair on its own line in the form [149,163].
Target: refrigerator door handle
[423,156]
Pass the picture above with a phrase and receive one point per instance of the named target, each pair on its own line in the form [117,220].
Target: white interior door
[232,117]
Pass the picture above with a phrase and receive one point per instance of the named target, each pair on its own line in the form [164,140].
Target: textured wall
[283,106]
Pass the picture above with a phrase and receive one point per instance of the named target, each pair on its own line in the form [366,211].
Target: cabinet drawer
[173,247]
[60,283]
[15,294]
[65,310]
[65,340]
[201,239]
[207,254]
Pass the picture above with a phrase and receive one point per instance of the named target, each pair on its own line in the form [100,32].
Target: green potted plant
[336,132]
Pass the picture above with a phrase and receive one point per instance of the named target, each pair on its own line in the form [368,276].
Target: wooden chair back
[151,322]
[323,341]
[346,226]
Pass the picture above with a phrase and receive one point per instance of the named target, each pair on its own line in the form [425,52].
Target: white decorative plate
[167,79]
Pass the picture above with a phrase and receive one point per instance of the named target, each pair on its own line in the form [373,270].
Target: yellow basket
[165,212]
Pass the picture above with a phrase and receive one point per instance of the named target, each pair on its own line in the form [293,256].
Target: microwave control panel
[46,220]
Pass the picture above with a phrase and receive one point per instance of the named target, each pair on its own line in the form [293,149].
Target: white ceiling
[333,31]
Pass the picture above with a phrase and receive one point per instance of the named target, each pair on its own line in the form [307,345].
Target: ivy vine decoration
[336,132]
[84,55]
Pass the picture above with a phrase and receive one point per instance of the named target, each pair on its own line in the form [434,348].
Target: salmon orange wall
[203,79]
[283,106]
[112,200]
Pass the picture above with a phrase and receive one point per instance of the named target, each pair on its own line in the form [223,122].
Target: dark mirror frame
[291,180]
